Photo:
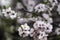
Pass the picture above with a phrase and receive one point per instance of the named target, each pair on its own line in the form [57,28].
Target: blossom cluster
[40,8]
[9,13]
[39,30]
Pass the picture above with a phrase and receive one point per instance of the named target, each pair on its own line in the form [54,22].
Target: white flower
[39,24]
[42,27]
[31,32]
[25,30]
[56,1]
[41,35]
[46,16]
[13,15]
[53,1]
[48,28]
[8,13]
[20,31]
[40,8]
[44,38]
[57,31]
[25,27]
[26,33]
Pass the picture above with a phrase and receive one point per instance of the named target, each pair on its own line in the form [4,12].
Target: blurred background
[20,6]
